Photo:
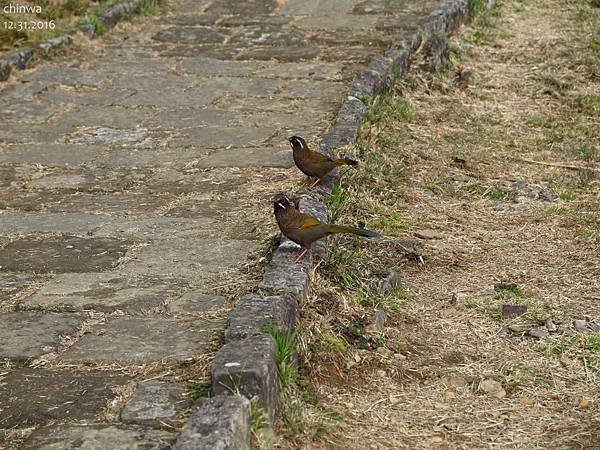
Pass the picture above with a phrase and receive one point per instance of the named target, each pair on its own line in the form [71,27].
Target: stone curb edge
[246,366]
[27,57]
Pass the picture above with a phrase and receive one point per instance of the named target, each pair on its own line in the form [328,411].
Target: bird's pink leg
[302,253]
[314,183]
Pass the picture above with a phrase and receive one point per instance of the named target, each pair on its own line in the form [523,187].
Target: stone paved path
[136,178]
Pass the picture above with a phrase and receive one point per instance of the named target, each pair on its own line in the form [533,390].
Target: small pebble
[540,332]
[519,327]
[581,326]
[550,325]
[492,387]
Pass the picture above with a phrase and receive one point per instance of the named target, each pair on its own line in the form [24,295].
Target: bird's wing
[319,157]
[308,222]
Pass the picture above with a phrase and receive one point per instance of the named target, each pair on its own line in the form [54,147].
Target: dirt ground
[488,193]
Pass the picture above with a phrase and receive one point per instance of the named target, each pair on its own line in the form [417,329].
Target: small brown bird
[315,164]
[304,229]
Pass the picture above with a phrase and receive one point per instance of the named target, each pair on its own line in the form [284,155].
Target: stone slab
[249,367]
[193,302]
[315,7]
[280,53]
[27,335]
[189,98]
[216,137]
[26,111]
[153,228]
[62,254]
[196,258]
[106,292]
[202,66]
[128,158]
[245,87]
[247,8]
[191,35]
[98,437]
[253,313]
[311,71]
[11,284]
[135,340]
[217,423]
[19,223]
[49,154]
[54,395]
[154,404]
[118,203]
[248,157]
[193,117]
[103,116]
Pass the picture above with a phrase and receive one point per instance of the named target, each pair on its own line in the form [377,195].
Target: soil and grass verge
[474,323]
[25,24]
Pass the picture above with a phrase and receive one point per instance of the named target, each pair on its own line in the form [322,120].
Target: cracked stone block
[54,395]
[70,181]
[107,117]
[248,7]
[155,228]
[308,89]
[106,292]
[12,284]
[280,53]
[340,21]
[249,367]
[217,423]
[5,70]
[103,135]
[192,20]
[27,335]
[245,87]
[49,154]
[117,203]
[190,118]
[103,97]
[190,98]
[185,35]
[193,303]
[27,111]
[98,437]
[223,52]
[253,313]
[202,66]
[17,198]
[135,340]
[62,254]
[316,7]
[7,176]
[195,258]
[284,277]
[248,157]
[215,137]
[19,223]
[86,179]
[246,20]
[154,404]
[128,158]
[272,35]
[311,71]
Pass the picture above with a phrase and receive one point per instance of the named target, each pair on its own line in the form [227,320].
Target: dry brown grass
[448,167]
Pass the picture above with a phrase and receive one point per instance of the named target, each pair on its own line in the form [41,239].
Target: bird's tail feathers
[359,231]
[345,161]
